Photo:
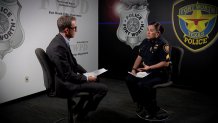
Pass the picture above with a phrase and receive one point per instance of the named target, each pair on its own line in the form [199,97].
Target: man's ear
[66,30]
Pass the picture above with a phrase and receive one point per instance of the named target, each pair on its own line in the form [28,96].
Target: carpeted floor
[184,106]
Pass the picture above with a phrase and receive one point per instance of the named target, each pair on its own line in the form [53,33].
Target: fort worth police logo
[133,26]
[195,24]
[11,35]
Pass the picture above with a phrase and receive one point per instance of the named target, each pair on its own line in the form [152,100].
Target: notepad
[95,73]
[140,74]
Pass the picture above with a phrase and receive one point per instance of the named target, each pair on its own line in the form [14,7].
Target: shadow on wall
[2,69]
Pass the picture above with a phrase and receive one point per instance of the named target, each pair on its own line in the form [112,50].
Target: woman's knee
[130,78]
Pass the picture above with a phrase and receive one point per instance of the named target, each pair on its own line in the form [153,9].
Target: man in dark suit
[69,78]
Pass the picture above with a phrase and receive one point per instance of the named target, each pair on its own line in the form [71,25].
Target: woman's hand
[145,68]
[133,72]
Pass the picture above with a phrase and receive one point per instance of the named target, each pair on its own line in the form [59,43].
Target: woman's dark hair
[157,26]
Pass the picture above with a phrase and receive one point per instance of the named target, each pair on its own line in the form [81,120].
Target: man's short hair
[64,22]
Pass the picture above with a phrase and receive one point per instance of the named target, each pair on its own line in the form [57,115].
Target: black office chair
[48,74]
[176,56]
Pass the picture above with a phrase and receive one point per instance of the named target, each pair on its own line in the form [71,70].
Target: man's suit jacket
[68,72]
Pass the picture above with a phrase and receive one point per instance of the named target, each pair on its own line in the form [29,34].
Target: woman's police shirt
[154,51]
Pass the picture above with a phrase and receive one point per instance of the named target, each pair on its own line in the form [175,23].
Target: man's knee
[103,89]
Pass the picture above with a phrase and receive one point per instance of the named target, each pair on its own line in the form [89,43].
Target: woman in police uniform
[153,58]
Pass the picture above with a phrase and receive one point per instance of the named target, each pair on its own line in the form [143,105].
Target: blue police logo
[195,24]
[11,35]
[133,24]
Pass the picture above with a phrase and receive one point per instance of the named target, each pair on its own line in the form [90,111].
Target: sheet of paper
[140,74]
[96,72]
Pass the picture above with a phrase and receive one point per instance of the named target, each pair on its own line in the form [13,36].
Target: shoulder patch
[166,48]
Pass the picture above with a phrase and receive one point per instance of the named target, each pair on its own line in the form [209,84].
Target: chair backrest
[176,59]
[48,71]
[175,66]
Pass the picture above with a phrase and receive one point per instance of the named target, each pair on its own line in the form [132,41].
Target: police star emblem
[195,24]
[11,34]
[133,22]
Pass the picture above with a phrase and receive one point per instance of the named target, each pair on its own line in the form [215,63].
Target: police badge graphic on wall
[11,34]
[133,22]
[195,23]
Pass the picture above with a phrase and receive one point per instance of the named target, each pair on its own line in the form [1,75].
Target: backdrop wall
[29,24]
[197,65]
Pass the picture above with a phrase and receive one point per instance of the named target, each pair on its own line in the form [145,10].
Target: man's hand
[92,78]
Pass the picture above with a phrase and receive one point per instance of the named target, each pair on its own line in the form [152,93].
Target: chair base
[61,119]
[161,116]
